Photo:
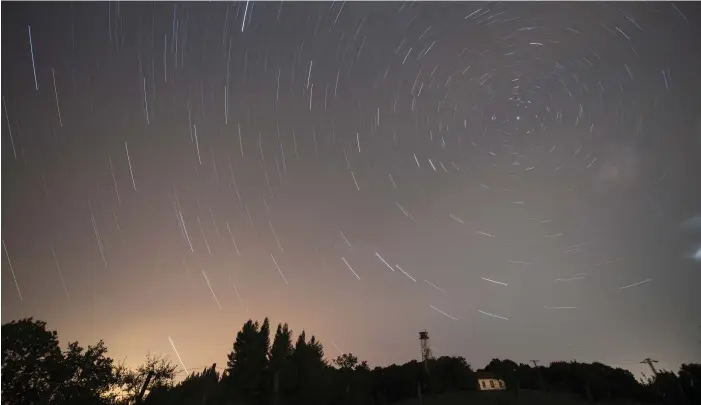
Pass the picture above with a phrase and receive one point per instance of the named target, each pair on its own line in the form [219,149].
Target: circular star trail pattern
[510,177]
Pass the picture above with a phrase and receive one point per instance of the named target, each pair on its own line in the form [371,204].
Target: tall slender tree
[280,359]
[310,366]
[262,356]
[242,367]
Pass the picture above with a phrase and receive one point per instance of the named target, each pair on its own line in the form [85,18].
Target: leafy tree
[690,380]
[131,381]
[528,377]
[88,375]
[668,388]
[197,388]
[355,377]
[621,384]
[396,383]
[31,360]
[346,362]
[35,371]
[505,369]
[452,374]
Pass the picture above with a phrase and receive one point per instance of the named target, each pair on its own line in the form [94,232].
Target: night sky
[519,179]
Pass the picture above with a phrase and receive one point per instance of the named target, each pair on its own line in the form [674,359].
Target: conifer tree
[280,359]
[243,364]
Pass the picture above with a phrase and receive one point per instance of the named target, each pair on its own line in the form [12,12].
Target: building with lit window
[487,381]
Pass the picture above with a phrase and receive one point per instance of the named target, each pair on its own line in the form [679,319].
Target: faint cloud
[620,165]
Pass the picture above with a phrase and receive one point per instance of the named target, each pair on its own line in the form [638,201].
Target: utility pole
[650,362]
[540,376]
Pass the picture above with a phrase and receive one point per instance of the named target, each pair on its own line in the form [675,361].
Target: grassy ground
[525,397]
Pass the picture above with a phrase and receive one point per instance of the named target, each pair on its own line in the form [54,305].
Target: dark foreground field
[525,397]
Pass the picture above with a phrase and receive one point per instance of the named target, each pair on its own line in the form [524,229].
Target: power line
[650,362]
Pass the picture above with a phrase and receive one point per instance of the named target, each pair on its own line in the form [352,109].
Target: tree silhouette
[281,365]
[310,367]
[347,364]
[198,388]
[396,382]
[31,359]
[452,374]
[35,370]
[507,370]
[131,381]
[690,380]
[262,357]
[243,368]
[87,374]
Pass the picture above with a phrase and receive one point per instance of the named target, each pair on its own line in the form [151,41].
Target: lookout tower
[425,349]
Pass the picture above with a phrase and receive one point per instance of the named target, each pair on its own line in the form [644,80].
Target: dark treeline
[289,371]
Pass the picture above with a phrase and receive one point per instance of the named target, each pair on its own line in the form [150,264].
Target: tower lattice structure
[425,349]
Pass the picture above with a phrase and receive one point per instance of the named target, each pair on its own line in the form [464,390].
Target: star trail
[528,173]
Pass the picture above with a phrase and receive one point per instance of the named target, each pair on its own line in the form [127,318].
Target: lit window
[501,384]
[491,383]
[483,385]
